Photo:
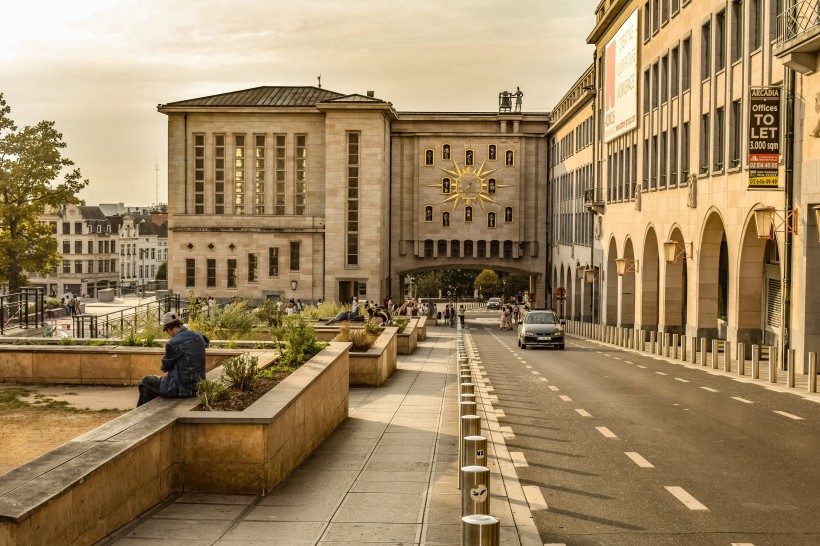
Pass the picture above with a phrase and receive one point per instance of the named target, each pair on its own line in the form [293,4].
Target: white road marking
[508,433]
[627,362]
[528,367]
[544,379]
[661,373]
[739,399]
[518,459]
[606,432]
[553,388]
[583,412]
[500,413]
[688,500]
[638,459]
[737,544]
[536,373]
[710,389]
[534,497]
[789,415]
[642,367]
[616,358]
[681,380]
[565,398]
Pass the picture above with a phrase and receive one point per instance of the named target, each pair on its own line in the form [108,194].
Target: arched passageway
[675,287]
[628,286]
[713,280]
[611,309]
[650,282]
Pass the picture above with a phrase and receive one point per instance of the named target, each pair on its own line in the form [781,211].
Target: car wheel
[523,345]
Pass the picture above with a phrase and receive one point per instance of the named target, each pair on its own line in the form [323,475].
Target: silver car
[540,328]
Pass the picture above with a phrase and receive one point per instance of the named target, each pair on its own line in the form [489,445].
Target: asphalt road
[628,449]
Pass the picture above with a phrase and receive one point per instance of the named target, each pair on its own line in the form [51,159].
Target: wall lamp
[293,285]
[674,250]
[590,274]
[579,272]
[765,222]
[625,266]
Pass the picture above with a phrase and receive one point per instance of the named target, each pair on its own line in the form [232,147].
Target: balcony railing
[800,19]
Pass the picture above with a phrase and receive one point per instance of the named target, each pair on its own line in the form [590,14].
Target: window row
[97,227]
[469,249]
[468,216]
[447,187]
[249,176]
[103,247]
[251,268]
[87,266]
[656,13]
[469,155]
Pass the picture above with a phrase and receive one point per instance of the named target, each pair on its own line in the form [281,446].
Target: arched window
[468,249]
[428,248]
[508,249]
[494,249]
[482,249]
[442,248]
[455,249]
[445,219]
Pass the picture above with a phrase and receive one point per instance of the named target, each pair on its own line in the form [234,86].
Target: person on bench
[184,363]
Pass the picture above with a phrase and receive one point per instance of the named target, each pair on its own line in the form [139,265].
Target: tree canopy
[30,163]
[487,283]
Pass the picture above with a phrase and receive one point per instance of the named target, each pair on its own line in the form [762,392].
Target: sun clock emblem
[469,185]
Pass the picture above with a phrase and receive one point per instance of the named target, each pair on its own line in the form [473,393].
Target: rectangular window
[755,24]
[353,199]
[664,79]
[737,123]
[279,175]
[253,267]
[647,28]
[300,183]
[231,274]
[273,262]
[705,51]
[90,266]
[190,273]
[66,247]
[66,228]
[78,228]
[219,174]
[737,31]
[720,41]
[239,174]
[66,266]
[663,159]
[294,256]
[78,266]
[655,157]
[673,158]
[705,130]
[78,247]
[655,85]
[259,176]
[720,135]
[775,8]
[674,72]
[199,174]
[211,277]
[675,7]
[646,164]
[655,16]
[664,12]
[686,65]
[646,91]
[684,152]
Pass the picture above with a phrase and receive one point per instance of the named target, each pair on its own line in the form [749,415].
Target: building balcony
[798,36]
[593,200]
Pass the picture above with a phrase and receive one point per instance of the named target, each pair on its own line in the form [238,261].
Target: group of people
[510,315]
[293,307]
[71,304]
[450,314]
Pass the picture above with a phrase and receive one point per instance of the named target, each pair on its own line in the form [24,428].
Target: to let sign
[764,137]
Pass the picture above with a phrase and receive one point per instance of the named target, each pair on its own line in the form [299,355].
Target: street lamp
[765,221]
[673,250]
[624,266]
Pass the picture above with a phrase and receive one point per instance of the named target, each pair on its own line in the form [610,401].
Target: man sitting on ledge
[184,363]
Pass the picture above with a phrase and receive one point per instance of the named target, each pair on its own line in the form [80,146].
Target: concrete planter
[372,367]
[408,340]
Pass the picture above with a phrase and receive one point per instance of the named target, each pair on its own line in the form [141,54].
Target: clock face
[469,185]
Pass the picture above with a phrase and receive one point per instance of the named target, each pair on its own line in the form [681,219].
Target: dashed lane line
[628,362]
[534,372]
[661,373]
[565,398]
[789,415]
[682,380]
[518,459]
[710,389]
[528,367]
[583,412]
[641,367]
[638,459]
[534,497]
[688,500]
[544,379]
[739,399]
[606,432]
[553,388]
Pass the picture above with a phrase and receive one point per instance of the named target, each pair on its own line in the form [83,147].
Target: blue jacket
[184,361]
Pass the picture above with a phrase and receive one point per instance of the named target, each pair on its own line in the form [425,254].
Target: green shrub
[67,341]
[270,313]
[240,371]
[300,340]
[95,342]
[52,303]
[143,330]
[361,339]
[229,322]
[325,310]
[210,392]
[373,328]
[401,323]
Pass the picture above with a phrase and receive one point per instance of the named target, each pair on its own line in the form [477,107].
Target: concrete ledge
[94,484]
[408,340]
[83,365]
[422,326]
[373,367]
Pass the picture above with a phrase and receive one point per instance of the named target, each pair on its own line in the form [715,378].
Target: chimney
[371,94]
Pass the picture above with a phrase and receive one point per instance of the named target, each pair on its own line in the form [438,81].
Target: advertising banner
[621,80]
[764,138]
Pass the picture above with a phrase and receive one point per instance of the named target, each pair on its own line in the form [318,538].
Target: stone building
[307,193]
[698,120]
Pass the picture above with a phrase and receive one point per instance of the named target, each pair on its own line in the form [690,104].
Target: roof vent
[371,94]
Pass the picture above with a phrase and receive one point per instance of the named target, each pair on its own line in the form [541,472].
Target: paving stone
[275,532]
[393,507]
[364,533]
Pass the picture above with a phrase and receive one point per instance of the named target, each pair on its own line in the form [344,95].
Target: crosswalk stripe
[565,398]
[638,459]
[688,500]
[789,415]
[583,412]
[606,432]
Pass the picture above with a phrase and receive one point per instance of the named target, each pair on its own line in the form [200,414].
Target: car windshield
[539,318]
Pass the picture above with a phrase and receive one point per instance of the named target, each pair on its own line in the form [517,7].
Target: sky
[99,68]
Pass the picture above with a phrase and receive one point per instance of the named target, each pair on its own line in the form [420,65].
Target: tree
[162,272]
[30,162]
[487,282]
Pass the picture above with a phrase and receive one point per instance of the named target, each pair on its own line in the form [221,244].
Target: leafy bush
[67,341]
[52,303]
[326,309]
[373,328]
[240,371]
[401,323]
[210,392]
[300,340]
[361,339]
[95,342]
[270,313]
[142,332]
[229,322]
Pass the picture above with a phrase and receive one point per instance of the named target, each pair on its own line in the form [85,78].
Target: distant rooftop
[272,96]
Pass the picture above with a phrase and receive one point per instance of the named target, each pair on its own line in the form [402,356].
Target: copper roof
[263,96]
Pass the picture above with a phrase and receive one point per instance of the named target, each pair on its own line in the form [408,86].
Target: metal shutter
[773,307]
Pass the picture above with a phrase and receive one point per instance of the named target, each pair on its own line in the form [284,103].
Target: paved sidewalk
[387,475]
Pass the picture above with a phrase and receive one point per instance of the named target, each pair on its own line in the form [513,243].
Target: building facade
[698,122]
[306,193]
[143,249]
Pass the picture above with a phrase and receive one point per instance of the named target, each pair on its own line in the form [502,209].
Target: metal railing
[796,20]
[116,323]
[24,309]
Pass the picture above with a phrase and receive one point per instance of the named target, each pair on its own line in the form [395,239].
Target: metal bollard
[755,361]
[741,359]
[467,407]
[772,366]
[475,491]
[652,335]
[790,371]
[479,530]
[468,388]
[675,346]
[812,383]
[703,351]
[683,340]
[466,397]
[641,340]
[665,344]
[470,425]
[714,354]
[473,451]
[694,340]
[727,354]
